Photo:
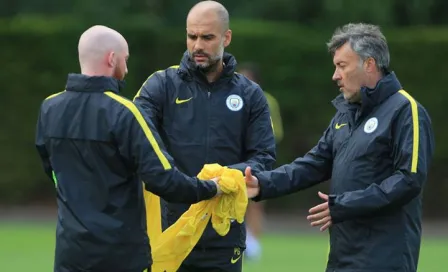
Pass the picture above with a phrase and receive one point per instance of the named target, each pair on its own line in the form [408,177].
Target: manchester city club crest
[234,102]
[371,125]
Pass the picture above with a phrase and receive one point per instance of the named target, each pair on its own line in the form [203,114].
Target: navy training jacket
[98,147]
[226,122]
[377,156]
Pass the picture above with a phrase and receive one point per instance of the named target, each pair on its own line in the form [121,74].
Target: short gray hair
[218,8]
[366,40]
[223,16]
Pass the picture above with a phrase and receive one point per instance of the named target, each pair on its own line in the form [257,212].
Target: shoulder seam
[54,95]
[150,76]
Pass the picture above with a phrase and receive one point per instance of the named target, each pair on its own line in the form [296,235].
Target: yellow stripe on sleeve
[128,104]
[415,126]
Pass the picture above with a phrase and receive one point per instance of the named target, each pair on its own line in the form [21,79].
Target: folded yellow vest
[171,247]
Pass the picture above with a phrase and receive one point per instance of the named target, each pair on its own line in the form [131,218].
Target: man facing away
[207,113]
[97,147]
[376,151]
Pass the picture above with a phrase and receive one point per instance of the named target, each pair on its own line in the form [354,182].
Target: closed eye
[208,37]
[341,64]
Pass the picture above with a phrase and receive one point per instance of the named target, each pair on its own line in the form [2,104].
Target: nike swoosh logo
[337,126]
[179,101]
[233,261]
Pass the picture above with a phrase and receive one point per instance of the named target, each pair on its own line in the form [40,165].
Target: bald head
[208,35]
[98,47]
[209,9]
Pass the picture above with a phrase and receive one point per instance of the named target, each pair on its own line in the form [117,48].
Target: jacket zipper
[352,127]
[207,136]
[344,144]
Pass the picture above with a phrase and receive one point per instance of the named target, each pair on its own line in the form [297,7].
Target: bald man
[205,113]
[97,147]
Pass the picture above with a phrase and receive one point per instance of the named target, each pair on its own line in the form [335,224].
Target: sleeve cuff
[331,200]
[335,218]
[263,182]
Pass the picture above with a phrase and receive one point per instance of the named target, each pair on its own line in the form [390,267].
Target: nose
[336,75]
[198,45]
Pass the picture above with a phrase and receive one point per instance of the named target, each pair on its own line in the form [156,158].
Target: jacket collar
[84,83]
[188,69]
[370,98]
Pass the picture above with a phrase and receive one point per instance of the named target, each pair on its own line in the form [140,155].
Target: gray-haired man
[376,151]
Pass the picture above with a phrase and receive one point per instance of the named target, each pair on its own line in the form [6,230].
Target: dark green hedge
[296,69]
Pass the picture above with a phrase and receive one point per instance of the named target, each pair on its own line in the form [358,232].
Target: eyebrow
[202,36]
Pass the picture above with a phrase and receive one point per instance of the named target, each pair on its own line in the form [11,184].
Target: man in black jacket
[205,113]
[376,151]
[97,146]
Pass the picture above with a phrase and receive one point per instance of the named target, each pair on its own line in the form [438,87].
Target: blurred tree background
[285,37]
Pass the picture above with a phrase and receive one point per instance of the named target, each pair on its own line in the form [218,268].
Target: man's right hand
[218,189]
[253,187]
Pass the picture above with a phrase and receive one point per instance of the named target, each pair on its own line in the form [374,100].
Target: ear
[111,60]
[227,37]
[370,65]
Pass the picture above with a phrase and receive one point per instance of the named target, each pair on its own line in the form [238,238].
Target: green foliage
[296,68]
[315,13]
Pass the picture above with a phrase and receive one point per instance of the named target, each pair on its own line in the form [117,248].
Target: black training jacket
[377,156]
[98,148]
[226,122]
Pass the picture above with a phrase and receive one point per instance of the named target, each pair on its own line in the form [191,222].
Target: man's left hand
[320,214]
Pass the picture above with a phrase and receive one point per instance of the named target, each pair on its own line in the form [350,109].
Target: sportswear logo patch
[337,126]
[236,255]
[180,101]
[371,125]
[234,102]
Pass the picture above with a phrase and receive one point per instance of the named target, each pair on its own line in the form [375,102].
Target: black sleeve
[40,145]
[140,143]
[304,172]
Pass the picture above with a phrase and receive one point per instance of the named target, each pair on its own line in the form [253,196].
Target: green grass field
[25,247]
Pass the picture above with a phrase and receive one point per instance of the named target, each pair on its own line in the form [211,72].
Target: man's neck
[374,80]
[215,73]
[94,72]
